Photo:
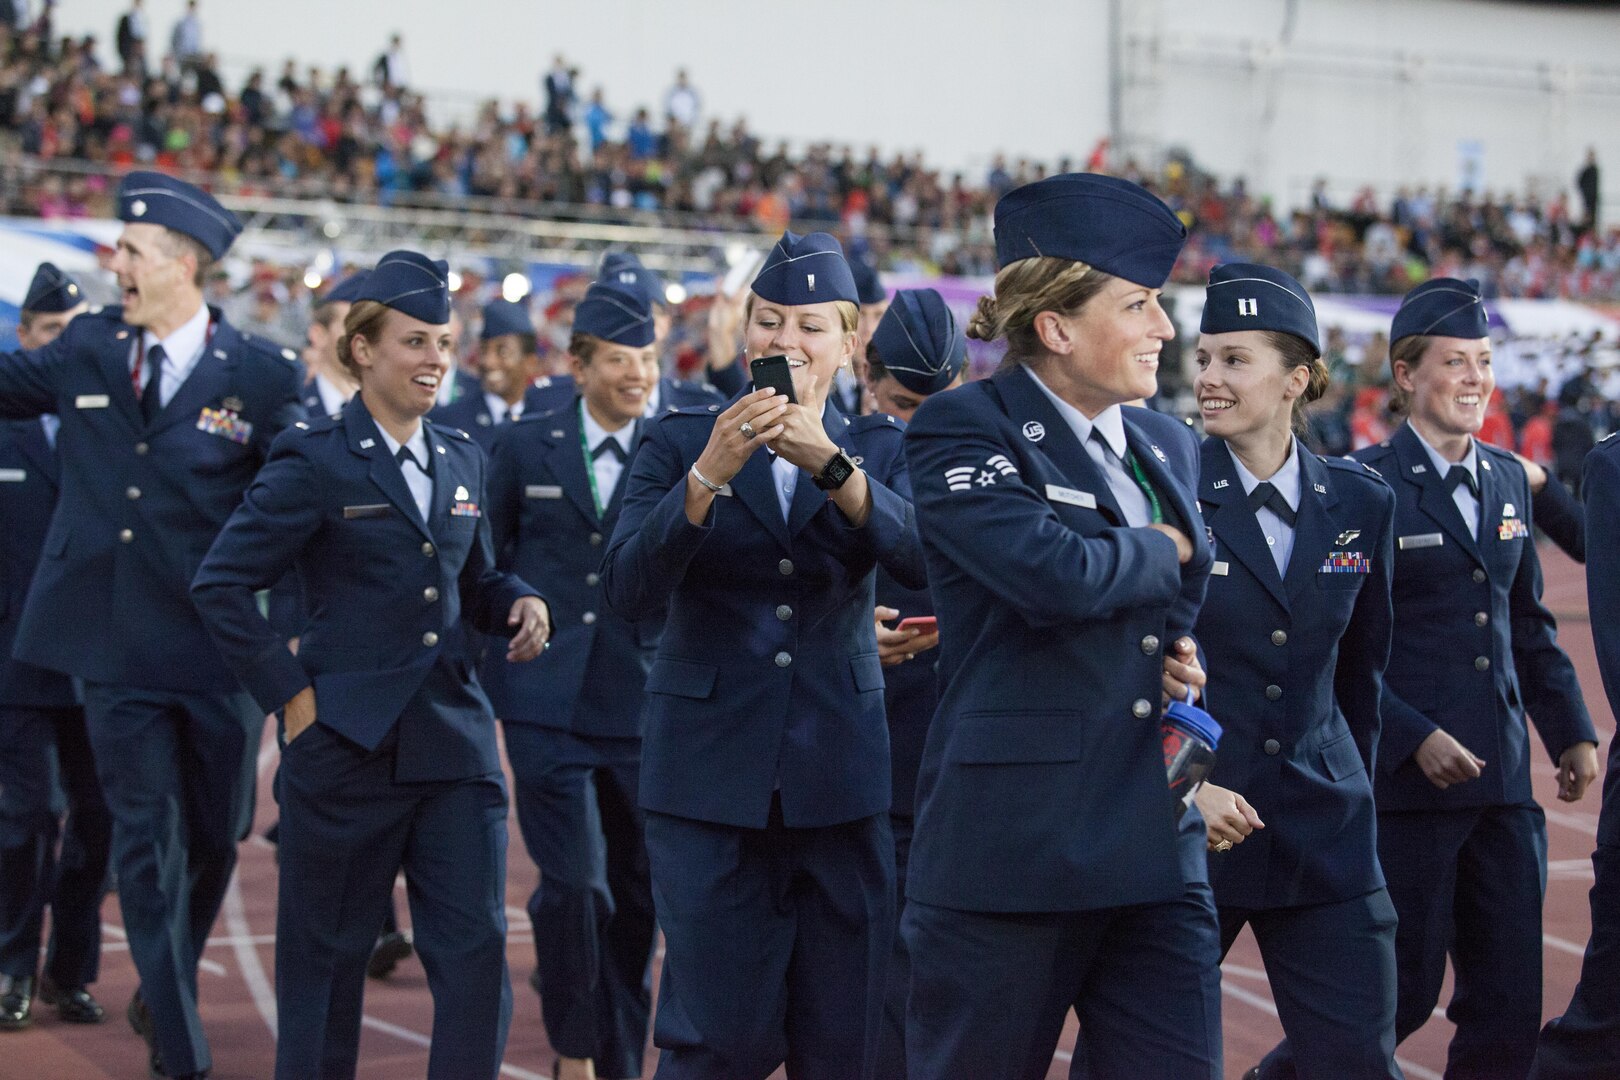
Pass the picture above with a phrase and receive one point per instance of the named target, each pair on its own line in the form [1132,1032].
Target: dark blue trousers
[594,929]
[1584,1043]
[891,1055]
[347,828]
[989,992]
[1332,974]
[775,942]
[1469,884]
[45,768]
[177,770]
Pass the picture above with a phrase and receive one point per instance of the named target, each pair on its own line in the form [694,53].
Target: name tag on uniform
[1071,496]
[542,491]
[1220,569]
[1421,540]
[92,401]
[13,476]
[370,510]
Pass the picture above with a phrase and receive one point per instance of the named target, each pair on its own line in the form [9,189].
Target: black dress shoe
[16,1002]
[140,1021]
[75,1006]
[390,949]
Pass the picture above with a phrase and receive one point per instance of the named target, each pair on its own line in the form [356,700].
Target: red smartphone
[926,624]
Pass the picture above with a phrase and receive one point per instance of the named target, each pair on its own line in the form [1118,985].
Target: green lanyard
[590,462]
[1147,488]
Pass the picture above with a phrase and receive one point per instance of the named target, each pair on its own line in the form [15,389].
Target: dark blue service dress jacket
[546,530]
[141,503]
[387,592]
[1042,785]
[28,487]
[1296,672]
[767,678]
[1474,648]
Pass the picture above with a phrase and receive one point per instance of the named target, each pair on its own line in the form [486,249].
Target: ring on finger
[1223,845]
[747,430]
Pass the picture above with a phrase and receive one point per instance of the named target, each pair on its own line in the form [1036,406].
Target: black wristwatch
[833,474]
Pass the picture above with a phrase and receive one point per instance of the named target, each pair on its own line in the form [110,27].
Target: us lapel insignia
[367,444]
[1320,490]
[1034,431]
[1219,484]
[1420,468]
[557,434]
[1159,454]
[121,335]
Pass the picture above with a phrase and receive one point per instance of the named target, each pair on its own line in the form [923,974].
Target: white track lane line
[418,1039]
[247,955]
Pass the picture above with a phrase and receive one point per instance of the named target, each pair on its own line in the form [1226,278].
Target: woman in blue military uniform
[765,766]
[390,759]
[1296,629]
[917,350]
[1462,842]
[1067,561]
[573,717]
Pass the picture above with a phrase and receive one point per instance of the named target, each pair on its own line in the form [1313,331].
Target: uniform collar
[1470,460]
[1110,422]
[1285,479]
[653,399]
[332,399]
[416,444]
[185,344]
[595,433]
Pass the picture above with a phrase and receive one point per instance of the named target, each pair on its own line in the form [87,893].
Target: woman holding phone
[1296,628]
[765,769]
[1067,561]
[390,759]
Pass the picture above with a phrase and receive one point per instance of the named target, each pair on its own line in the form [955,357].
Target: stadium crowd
[368,136]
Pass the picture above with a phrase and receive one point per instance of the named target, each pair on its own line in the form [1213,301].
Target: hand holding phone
[923,624]
[772,372]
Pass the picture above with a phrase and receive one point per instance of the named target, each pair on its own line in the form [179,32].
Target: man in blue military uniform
[328,386]
[508,361]
[668,392]
[1462,842]
[44,751]
[167,412]
[1584,1043]
[573,717]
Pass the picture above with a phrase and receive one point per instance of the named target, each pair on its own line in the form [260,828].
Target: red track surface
[239,1004]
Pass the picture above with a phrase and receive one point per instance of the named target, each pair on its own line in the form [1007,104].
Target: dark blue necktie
[1459,474]
[1266,495]
[152,393]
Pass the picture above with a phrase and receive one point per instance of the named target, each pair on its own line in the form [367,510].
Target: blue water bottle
[1190,736]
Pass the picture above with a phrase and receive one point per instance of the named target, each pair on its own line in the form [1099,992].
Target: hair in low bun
[984,325]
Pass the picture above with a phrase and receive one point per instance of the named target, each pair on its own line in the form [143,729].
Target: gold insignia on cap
[138,208]
[461,494]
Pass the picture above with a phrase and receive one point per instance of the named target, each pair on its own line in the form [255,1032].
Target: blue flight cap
[615,312]
[919,342]
[806,270]
[1248,296]
[868,288]
[1111,224]
[52,291]
[502,317]
[155,199]
[1443,307]
[346,291]
[626,269]
[411,283]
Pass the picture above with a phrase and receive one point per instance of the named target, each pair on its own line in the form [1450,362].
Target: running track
[238,976]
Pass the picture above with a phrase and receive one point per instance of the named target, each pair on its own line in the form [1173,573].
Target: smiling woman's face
[401,370]
[811,336]
[1116,337]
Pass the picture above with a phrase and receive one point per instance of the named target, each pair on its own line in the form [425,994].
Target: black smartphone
[773,372]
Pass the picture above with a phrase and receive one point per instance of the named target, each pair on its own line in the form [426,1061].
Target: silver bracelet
[706,482]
